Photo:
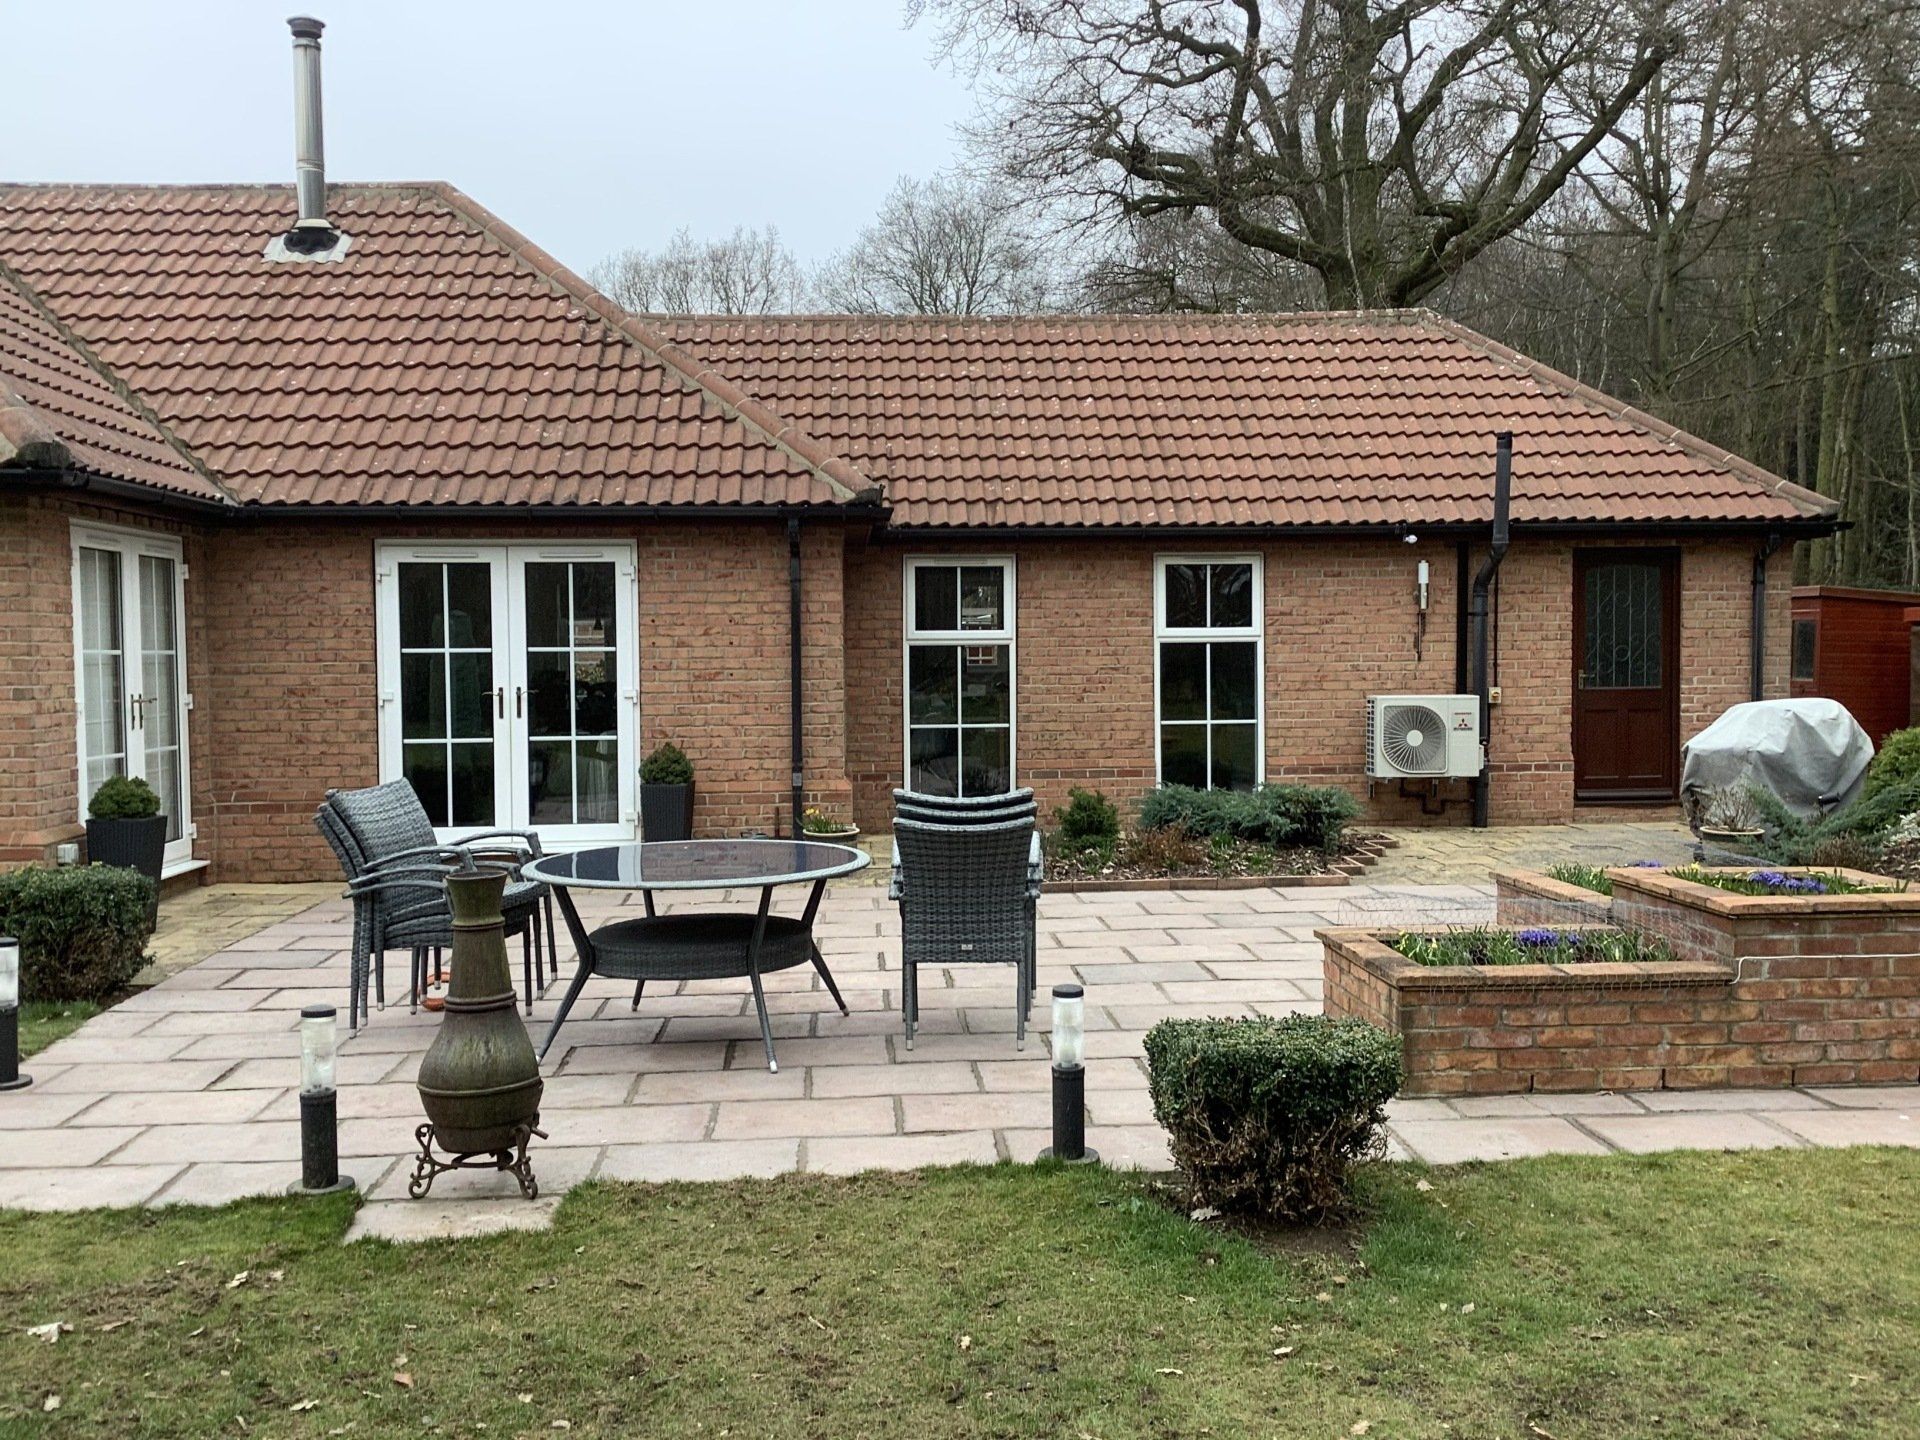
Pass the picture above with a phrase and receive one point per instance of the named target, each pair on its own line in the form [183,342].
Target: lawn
[1766,1293]
[44,1021]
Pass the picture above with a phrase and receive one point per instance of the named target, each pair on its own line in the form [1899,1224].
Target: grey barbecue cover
[1801,750]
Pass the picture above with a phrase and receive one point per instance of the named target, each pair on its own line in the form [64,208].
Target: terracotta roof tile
[1381,418]
[443,360]
[57,411]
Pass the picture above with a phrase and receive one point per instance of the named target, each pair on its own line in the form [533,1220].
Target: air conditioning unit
[1423,737]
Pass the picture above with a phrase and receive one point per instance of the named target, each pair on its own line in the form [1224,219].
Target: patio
[185,1093]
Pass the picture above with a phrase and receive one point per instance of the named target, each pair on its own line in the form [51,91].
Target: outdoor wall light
[319,1106]
[10,1076]
[1069,1078]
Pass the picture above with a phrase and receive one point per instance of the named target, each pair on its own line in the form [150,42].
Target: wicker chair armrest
[411,859]
[407,877]
[529,840]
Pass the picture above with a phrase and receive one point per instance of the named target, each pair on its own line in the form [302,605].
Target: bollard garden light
[1069,1078]
[319,1106]
[10,1076]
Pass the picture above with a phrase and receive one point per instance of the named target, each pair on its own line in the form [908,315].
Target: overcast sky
[590,125]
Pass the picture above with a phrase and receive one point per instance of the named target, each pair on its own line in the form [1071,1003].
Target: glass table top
[698,864]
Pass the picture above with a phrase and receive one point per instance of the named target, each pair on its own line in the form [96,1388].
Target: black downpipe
[793,669]
[1482,582]
[1461,637]
[1758,628]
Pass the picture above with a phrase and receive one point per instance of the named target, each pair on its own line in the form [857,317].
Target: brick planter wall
[1526,897]
[1703,922]
[1821,1019]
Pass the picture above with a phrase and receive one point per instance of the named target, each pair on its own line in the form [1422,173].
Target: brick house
[278,516]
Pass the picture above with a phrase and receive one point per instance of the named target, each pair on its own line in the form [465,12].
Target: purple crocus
[1537,937]
[1648,865]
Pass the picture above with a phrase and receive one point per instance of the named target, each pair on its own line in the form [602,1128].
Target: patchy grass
[1767,1293]
[44,1021]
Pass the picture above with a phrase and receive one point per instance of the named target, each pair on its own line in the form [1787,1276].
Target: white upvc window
[959,687]
[1209,660]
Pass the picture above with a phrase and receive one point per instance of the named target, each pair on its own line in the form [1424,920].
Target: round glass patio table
[706,945]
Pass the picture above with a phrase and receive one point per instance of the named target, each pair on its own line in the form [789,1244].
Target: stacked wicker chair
[396,872]
[967,876]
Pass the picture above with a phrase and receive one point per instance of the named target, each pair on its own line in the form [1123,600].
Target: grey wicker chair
[395,871]
[966,900]
[979,810]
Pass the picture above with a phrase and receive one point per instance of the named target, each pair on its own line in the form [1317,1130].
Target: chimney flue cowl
[312,236]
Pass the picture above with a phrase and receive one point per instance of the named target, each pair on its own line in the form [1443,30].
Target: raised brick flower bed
[1526,897]
[1765,990]
[1705,922]
[1509,1029]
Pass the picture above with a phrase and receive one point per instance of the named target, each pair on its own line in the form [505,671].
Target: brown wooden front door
[1626,682]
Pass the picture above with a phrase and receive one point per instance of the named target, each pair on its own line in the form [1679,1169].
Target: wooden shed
[1859,647]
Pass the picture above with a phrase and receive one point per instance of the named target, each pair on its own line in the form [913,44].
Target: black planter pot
[666,812]
[137,844]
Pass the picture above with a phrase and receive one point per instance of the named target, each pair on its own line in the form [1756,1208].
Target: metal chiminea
[479,1080]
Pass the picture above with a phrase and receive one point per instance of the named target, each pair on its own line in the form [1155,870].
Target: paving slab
[58,1148]
[708,1160]
[1664,1102]
[413,1221]
[900,1152]
[1869,1097]
[1850,1127]
[767,1119]
[1451,1142]
[74,1188]
[1696,1130]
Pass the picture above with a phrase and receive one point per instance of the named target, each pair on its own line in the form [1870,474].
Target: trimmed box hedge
[1268,1116]
[83,931]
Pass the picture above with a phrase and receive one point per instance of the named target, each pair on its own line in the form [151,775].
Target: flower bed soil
[1252,868]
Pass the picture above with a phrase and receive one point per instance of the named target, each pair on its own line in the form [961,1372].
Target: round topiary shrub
[1269,1116]
[83,931]
[667,765]
[122,797]
[1897,764]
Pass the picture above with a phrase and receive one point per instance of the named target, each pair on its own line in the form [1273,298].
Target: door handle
[500,702]
[519,702]
[136,710]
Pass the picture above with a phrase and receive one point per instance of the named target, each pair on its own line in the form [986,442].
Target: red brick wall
[281,657]
[292,700]
[1340,625]
[39,760]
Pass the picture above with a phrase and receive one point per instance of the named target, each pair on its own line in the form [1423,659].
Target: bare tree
[1380,143]
[938,247]
[1186,263]
[750,272]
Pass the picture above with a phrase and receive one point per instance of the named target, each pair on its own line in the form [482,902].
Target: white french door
[509,686]
[129,602]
